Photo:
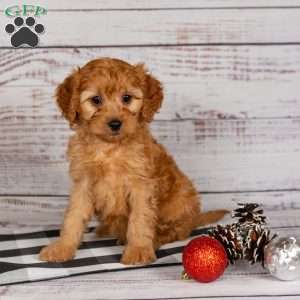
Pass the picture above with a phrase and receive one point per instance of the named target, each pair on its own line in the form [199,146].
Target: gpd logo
[24,30]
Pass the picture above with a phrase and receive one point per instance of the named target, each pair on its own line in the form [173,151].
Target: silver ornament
[282,258]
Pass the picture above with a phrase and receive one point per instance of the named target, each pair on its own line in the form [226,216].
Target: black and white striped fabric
[19,261]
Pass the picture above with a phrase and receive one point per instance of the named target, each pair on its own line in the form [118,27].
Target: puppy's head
[110,98]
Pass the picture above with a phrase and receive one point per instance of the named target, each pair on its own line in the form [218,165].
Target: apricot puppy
[119,172]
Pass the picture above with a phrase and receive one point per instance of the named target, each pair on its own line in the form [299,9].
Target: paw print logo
[24,34]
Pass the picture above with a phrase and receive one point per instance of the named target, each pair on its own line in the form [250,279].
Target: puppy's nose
[115,124]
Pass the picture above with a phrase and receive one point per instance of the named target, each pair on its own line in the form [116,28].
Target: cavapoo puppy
[120,173]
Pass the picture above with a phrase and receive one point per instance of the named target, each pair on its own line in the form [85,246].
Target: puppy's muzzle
[115,125]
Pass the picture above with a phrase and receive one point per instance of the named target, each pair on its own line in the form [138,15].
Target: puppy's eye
[126,99]
[97,100]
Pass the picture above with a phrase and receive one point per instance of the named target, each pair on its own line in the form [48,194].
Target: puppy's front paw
[57,251]
[134,255]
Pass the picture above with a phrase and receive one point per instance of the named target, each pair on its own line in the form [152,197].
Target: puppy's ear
[67,97]
[153,94]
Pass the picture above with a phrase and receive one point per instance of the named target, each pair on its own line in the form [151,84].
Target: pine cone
[247,237]
[255,243]
[231,241]
[249,214]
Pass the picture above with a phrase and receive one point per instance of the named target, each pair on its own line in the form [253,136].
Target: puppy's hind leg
[181,230]
[175,231]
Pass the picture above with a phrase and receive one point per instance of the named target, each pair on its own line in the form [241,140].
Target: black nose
[115,124]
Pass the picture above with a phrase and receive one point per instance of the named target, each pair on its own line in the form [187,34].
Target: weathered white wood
[219,155]
[256,146]
[214,83]
[41,211]
[35,211]
[282,208]
[161,27]
[164,283]
[256,297]
[200,82]
[192,64]
[182,101]
[154,4]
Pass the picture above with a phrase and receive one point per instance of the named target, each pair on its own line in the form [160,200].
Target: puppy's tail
[211,217]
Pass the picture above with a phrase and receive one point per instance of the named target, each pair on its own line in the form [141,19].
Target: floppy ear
[153,95]
[67,97]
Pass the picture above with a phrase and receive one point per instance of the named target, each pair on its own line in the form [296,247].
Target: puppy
[120,173]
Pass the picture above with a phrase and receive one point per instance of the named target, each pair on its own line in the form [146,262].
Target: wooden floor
[231,119]
[240,281]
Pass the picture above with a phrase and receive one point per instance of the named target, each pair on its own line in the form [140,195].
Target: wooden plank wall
[231,72]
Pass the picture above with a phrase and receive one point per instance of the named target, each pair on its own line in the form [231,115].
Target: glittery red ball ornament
[204,259]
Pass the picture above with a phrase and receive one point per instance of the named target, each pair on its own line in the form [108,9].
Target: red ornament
[204,259]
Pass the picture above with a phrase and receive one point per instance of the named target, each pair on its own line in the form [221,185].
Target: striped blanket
[19,261]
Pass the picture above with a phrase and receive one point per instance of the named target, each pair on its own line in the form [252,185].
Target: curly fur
[127,180]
